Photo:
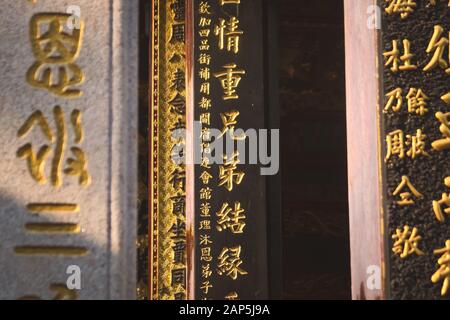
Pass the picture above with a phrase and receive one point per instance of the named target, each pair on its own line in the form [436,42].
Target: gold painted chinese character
[228,174]
[394,95]
[232,219]
[205,177]
[204,225]
[393,57]
[443,144]
[204,45]
[204,74]
[205,163]
[206,271]
[76,166]
[229,121]
[228,34]
[55,51]
[444,268]
[230,79]
[206,285]
[406,196]
[205,240]
[204,22]
[205,103]
[437,46]
[402,7]
[204,58]
[205,118]
[395,144]
[204,8]
[205,88]
[417,143]
[406,242]
[206,254]
[229,262]
[205,208]
[445,200]
[417,101]
[205,193]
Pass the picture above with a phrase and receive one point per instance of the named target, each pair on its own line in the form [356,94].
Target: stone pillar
[68,136]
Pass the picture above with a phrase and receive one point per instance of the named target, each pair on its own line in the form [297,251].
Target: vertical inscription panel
[68,114]
[230,193]
[415,141]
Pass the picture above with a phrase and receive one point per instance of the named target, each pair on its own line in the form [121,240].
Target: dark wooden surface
[316,255]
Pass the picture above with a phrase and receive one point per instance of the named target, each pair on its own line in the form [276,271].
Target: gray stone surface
[107,214]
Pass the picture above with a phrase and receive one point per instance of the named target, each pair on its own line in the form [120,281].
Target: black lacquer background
[410,278]
[252,191]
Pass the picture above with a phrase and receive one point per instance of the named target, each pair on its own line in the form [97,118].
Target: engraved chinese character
[228,176]
[56,52]
[204,22]
[178,8]
[402,7]
[205,177]
[178,33]
[204,73]
[229,34]
[406,242]
[206,285]
[178,179]
[179,253]
[204,58]
[229,121]
[178,81]
[445,200]
[230,79]
[178,205]
[206,271]
[178,230]
[205,88]
[417,143]
[232,219]
[178,104]
[179,277]
[395,144]
[443,274]
[205,193]
[205,103]
[76,166]
[205,240]
[205,208]
[205,254]
[417,101]
[229,262]
[394,95]
[406,196]
[437,46]
[443,144]
[204,8]
[204,45]
[204,225]
[393,57]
